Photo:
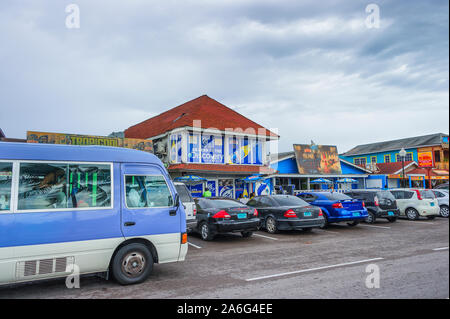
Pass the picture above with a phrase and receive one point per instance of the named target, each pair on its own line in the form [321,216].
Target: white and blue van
[89,208]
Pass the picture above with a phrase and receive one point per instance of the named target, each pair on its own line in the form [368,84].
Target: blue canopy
[190,179]
[347,180]
[321,181]
[252,178]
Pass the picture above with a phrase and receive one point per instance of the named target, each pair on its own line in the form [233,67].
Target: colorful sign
[74,139]
[317,159]
[226,187]
[212,187]
[194,148]
[425,159]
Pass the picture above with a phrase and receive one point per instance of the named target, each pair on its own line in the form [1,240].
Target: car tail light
[290,214]
[337,205]
[320,212]
[377,202]
[222,214]
[195,212]
[364,204]
[255,213]
[419,196]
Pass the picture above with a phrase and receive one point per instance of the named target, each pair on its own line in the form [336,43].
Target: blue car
[337,207]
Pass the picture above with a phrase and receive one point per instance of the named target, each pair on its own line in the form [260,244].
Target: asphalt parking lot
[412,258]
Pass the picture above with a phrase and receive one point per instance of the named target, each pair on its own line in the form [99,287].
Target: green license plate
[307,214]
[391,213]
[356,214]
[240,216]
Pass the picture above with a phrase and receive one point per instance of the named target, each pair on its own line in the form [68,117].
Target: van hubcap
[133,264]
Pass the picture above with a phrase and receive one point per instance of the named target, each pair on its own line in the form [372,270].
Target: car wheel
[325,219]
[247,234]
[271,225]
[371,218]
[132,264]
[412,214]
[392,219]
[444,211]
[205,232]
[353,224]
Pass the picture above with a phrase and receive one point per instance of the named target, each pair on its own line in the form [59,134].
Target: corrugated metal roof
[410,142]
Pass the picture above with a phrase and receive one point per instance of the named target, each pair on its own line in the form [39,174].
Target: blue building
[288,177]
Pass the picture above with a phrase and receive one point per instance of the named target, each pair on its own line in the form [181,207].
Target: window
[387,158]
[185,195]
[437,156]
[308,197]
[290,201]
[361,161]
[147,191]
[373,159]
[336,196]
[408,157]
[5,186]
[49,186]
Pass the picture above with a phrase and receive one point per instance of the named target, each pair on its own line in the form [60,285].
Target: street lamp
[402,154]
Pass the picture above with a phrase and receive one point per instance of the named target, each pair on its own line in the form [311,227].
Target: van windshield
[184,193]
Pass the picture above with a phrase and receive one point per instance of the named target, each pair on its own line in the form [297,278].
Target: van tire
[132,264]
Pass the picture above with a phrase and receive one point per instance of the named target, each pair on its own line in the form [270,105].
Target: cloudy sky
[312,69]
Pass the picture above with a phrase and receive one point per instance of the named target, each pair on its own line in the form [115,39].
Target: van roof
[57,152]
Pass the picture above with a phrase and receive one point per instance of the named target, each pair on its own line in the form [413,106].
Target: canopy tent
[321,181]
[253,178]
[347,181]
[190,179]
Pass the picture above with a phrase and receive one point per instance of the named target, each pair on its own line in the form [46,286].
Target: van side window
[147,191]
[49,186]
[5,186]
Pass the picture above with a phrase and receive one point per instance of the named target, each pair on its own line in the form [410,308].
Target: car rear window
[184,193]
[290,201]
[222,203]
[428,194]
[336,196]
[383,195]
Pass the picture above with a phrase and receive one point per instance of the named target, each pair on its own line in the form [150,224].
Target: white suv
[414,203]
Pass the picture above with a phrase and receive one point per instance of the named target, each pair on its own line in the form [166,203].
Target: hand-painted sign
[317,159]
[74,139]
[226,187]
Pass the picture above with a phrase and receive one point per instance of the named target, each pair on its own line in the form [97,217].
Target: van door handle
[173,212]
[130,224]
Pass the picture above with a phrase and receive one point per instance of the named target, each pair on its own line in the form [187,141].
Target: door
[6,224]
[149,211]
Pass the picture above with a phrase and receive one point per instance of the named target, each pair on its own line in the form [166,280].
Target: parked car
[337,207]
[379,204]
[442,197]
[224,215]
[414,203]
[286,212]
[443,186]
[188,204]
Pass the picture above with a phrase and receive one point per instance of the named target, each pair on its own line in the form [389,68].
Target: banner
[74,139]
[425,159]
[317,159]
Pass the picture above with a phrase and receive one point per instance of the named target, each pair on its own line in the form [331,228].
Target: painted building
[288,176]
[208,139]
[433,149]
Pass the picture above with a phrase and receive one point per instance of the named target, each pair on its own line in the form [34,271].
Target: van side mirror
[177,200]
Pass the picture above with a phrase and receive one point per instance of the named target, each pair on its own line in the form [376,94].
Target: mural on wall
[226,188]
[317,159]
[74,139]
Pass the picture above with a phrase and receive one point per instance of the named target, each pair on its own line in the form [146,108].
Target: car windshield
[185,196]
[336,196]
[220,203]
[290,201]
[428,194]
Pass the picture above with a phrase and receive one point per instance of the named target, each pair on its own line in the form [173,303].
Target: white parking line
[329,231]
[198,247]
[417,222]
[442,248]
[375,226]
[314,269]
[265,236]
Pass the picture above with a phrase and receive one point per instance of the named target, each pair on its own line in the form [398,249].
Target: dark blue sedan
[337,207]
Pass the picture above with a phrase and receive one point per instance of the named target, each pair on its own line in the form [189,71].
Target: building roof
[211,113]
[58,152]
[407,143]
[431,172]
[220,168]
[393,168]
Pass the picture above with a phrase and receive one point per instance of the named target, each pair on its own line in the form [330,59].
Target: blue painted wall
[289,166]
[380,156]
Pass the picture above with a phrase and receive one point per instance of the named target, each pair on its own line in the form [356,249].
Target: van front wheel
[132,264]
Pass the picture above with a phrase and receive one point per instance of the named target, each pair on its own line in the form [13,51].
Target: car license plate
[356,214]
[240,216]
[307,214]
[391,213]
